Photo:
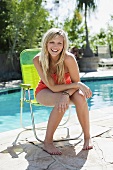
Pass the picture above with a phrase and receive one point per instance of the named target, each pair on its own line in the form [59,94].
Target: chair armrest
[25,86]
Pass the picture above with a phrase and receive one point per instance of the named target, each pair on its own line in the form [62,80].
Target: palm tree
[86,6]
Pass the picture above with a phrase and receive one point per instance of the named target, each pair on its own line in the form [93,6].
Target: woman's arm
[72,66]
[51,85]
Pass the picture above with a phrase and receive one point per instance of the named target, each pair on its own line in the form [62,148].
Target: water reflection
[102,94]
[10,105]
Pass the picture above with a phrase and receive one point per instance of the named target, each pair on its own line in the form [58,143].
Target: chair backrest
[104,51]
[29,72]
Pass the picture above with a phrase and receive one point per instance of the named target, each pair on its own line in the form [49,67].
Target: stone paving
[21,151]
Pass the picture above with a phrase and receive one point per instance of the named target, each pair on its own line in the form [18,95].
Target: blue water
[102,94]
[10,105]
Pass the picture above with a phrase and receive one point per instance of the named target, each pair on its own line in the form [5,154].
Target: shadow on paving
[39,159]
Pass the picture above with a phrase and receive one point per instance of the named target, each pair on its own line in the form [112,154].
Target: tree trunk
[87,51]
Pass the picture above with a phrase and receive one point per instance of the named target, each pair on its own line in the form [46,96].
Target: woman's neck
[53,67]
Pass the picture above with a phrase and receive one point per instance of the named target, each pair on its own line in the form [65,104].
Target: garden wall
[7,72]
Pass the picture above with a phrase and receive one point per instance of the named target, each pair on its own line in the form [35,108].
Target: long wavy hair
[45,57]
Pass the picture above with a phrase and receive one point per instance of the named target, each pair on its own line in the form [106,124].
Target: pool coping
[14,85]
[96,78]
[100,75]
[9,90]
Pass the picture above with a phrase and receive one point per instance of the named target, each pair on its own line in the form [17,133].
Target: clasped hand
[63,103]
[85,89]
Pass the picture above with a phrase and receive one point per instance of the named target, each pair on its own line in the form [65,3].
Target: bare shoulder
[36,60]
[36,57]
[69,58]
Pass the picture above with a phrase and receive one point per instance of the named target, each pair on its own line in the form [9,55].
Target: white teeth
[54,50]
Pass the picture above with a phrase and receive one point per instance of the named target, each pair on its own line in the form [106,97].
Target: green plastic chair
[30,79]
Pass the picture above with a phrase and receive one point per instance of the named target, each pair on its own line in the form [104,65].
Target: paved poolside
[100,74]
[21,151]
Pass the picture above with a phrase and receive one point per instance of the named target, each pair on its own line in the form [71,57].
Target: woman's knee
[78,98]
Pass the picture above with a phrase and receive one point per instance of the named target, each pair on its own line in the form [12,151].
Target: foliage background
[23,23]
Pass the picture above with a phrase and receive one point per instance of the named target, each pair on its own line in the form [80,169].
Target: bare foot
[87,144]
[51,149]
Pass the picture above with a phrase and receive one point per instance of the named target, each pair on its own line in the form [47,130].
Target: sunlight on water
[10,105]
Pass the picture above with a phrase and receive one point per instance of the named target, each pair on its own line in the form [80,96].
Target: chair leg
[42,128]
[22,100]
[64,139]
[21,107]
[32,118]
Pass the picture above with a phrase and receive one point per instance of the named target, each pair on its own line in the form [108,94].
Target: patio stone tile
[105,145]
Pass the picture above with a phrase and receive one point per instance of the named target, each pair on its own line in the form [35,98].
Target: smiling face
[55,46]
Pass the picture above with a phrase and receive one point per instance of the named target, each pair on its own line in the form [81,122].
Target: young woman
[60,85]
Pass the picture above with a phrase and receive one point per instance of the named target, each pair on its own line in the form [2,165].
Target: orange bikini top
[54,76]
[66,77]
[41,84]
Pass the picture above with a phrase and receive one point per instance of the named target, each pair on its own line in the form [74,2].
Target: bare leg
[53,123]
[83,115]
[54,119]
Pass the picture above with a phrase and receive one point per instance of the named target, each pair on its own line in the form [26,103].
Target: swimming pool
[10,107]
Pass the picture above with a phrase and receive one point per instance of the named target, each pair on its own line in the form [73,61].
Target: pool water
[102,94]
[10,105]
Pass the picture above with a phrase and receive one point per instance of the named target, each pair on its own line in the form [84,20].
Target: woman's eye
[51,42]
[60,43]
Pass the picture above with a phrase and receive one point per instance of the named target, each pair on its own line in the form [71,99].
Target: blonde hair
[44,56]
